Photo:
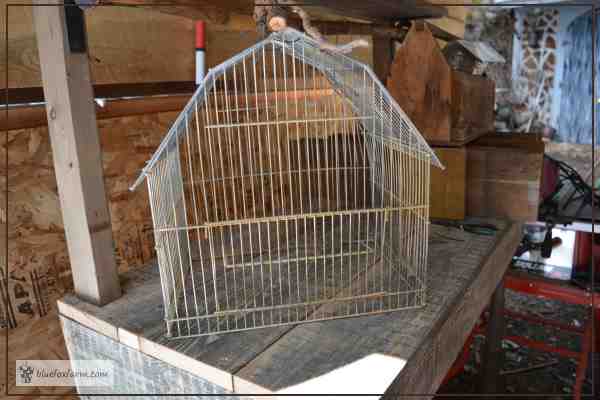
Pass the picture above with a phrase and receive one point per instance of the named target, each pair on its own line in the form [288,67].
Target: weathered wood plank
[311,351]
[427,367]
[138,316]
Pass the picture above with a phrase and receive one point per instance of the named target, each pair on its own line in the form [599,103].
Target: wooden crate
[448,198]
[450,108]
[504,176]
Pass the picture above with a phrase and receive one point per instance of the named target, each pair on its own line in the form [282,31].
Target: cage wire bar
[291,188]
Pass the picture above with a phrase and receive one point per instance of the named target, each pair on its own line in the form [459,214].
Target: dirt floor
[557,379]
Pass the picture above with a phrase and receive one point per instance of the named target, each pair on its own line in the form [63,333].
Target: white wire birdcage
[292,188]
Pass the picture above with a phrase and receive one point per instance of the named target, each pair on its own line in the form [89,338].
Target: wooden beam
[491,381]
[219,11]
[210,11]
[351,28]
[35,94]
[23,118]
[357,28]
[77,158]
[20,117]
[382,11]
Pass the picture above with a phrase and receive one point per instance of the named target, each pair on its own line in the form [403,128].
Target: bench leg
[491,381]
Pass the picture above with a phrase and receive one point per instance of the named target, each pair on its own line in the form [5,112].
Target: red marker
[199,52]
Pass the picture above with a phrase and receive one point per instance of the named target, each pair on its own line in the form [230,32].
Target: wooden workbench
[406,351]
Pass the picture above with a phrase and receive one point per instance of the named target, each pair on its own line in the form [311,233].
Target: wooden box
[448,107]
[504,176]
[448,198]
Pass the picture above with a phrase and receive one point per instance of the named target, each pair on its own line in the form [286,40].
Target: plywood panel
[36,236]
[139,45]
[127,45]
[426,369]
[448,187]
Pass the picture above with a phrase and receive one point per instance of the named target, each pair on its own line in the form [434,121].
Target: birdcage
[292,188]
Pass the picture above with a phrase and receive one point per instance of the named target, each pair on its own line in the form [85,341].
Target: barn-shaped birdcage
[292,188]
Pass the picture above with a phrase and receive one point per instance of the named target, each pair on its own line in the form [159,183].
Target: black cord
[581,190]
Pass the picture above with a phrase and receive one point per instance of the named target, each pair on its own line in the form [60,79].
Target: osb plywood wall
[39,269]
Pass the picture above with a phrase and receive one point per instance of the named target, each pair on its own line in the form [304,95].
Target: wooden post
[77,158]
[383,56]
[491,381]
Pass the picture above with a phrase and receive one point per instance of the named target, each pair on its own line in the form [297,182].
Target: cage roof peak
[350,78]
